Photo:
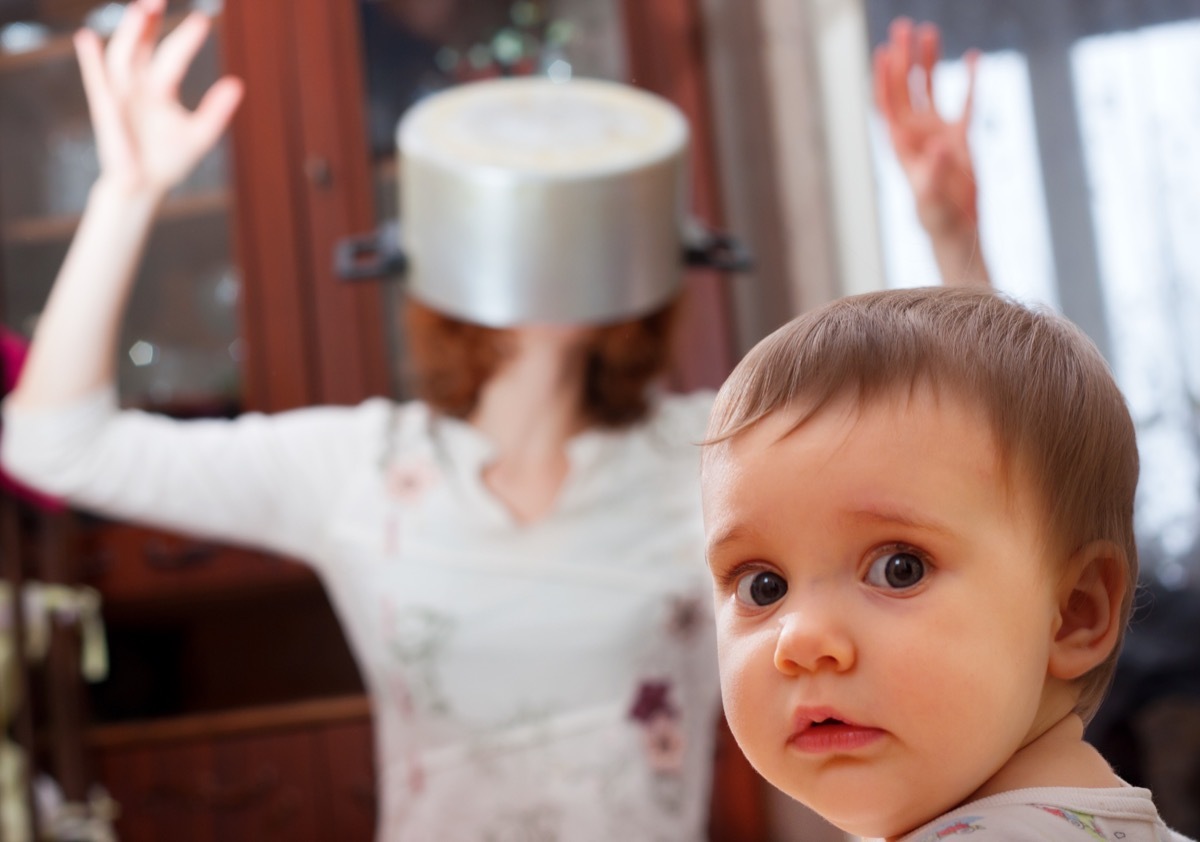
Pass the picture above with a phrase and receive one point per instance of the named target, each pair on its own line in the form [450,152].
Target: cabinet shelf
[56,48]
[41,230]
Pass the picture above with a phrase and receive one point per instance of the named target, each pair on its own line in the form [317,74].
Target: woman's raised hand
[146,139]
[932,151]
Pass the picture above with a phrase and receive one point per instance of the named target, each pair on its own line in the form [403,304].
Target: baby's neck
[1057,756]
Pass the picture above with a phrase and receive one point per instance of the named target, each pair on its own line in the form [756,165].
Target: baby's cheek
[733,645]
[746,669]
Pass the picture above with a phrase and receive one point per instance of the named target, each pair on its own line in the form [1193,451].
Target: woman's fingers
[900,47]
[214,112]
[972,62]
[121,47]
[929,50]
[174,55]
[143,47]
[143,132]
[881,67]
[133,42]
[108,121]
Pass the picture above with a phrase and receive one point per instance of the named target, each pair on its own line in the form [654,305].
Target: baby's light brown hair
[1055,412]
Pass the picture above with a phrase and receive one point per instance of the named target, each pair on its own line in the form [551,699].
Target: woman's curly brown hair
[449,361]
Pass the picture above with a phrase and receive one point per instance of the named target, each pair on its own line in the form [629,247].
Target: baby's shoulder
[1034,820]
[1007,820]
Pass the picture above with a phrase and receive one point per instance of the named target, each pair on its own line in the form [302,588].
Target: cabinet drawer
[295,772]
[133,564]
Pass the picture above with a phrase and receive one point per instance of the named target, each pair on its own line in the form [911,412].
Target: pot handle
[371,256]
[703,247]
[723,252]
[361,257]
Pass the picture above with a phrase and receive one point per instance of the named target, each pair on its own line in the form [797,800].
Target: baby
[919,516]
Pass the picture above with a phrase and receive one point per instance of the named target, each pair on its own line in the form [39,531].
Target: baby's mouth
[822,731]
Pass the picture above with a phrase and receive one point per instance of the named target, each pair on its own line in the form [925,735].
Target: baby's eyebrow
[723,537]
[898,517]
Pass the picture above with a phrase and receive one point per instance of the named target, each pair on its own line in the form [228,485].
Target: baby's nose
[812,638]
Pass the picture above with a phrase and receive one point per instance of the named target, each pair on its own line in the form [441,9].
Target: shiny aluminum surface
[531,201]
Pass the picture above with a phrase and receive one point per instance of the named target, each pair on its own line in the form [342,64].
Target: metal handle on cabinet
[704,247]
[319,172]
[160,556]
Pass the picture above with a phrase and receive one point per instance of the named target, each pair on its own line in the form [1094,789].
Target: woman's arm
[272,482]
[933,152]
[255,480]
[147,142]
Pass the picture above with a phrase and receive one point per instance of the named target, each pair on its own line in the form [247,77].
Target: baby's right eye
[761,588]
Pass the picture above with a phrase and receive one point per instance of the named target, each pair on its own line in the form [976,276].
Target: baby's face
[884,607]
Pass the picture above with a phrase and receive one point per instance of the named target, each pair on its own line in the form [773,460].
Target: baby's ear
[1089,609]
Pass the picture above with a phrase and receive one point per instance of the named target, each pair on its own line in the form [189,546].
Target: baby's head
[918,506]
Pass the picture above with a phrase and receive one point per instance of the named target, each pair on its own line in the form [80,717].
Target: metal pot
[528,200]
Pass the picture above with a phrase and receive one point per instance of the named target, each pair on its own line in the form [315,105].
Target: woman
[516,556]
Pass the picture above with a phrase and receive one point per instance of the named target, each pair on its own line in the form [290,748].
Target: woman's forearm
[960,259]
[74,343]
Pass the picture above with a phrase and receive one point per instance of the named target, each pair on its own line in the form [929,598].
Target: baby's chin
[856,811]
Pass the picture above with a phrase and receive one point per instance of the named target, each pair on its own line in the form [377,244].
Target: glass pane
[415,47]
[1139,113]
[179,345]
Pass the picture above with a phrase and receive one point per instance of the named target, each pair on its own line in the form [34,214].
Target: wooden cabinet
[295,772]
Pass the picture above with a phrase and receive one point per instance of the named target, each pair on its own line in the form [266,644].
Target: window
[1086,142]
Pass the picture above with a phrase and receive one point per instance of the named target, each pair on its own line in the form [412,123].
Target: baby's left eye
[897,570]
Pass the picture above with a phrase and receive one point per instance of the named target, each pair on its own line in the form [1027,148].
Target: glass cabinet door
[180,346]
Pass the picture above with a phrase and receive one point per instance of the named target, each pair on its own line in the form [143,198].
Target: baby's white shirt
[1062,814]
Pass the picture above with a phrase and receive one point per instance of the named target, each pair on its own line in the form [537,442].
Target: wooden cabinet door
[266,787]
[347,761]
[293,772]
[261,787]
[160,791]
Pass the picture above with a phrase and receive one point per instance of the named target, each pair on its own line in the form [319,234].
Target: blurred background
[1085,140]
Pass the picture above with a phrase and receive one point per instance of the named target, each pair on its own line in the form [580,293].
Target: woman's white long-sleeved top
[550,681]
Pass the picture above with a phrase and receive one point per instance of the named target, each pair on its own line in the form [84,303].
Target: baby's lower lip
[834,737]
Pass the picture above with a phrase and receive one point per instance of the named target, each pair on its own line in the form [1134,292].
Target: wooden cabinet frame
[302,183]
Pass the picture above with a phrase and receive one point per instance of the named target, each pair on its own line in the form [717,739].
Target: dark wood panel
[666,56]
[277,317]
[265,788]
[296,772]
[348,759]
[332,131]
